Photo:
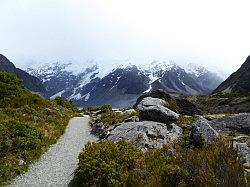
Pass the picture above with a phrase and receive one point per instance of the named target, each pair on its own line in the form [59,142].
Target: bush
[105,164]
[172,105]
[104,107]
[213,165]
[64,103]
[120,164]
[185,120]
[10,87]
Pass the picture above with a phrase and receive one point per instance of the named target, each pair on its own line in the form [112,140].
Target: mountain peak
[120,84]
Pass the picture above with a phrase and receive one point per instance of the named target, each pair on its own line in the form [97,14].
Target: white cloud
[207,32]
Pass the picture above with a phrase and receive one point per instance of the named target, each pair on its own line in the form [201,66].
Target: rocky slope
[238,81]
[30,82]
[120,85]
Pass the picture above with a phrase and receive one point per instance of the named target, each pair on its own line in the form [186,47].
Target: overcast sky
[215,33]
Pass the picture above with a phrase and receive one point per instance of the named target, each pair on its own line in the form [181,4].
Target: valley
[133,118]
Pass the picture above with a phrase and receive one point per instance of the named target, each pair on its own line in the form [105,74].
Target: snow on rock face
[113,82]
[57,94]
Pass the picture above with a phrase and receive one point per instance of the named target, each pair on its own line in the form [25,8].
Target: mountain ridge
[120,85]
[31,82]
[238,81]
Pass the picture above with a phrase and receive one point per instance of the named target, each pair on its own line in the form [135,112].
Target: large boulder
[184,106]
[239,123]
[202,131]
[146,134]
[153,109]
[160,94]
[98,128]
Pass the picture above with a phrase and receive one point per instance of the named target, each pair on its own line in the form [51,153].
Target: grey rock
[146,134]
[96,113]
[160,94]
[201,130]
[244,151]
[235,123]
[150,101]
[129,111]
[35,118]
[242,139]
[153,109]
[98,128]
[132,119]
[21,162]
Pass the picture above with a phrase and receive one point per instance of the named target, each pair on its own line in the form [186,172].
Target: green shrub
[120,164]
[185,120]
[10,87]
[172,105]
[104,107]
[105,164]
[212,165]
[64,103]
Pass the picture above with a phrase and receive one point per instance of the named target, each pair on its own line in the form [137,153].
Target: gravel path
[56,166]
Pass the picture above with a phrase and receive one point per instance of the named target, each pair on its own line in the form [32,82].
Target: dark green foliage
[105,164]
[17,136]
[104,107]
[64,103]
[10,87]
[119,164]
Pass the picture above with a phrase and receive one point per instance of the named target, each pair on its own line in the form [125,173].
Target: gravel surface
[56,166]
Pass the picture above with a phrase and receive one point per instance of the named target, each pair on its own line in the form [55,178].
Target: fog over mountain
[213,34]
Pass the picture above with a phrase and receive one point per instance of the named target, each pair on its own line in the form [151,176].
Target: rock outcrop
[153,109]
[98,128]
[146,134]
[239,123]
[244,152]
[202,131]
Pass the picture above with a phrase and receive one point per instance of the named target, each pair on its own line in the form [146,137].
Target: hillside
[30,82]
[28,125]
[238,81]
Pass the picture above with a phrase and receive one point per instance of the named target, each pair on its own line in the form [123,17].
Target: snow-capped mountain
[120,85]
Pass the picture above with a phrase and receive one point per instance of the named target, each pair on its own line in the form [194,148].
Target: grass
[29,124]
[110,117]
[227,103]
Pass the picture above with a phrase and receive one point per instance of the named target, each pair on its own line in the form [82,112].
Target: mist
[210,33]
